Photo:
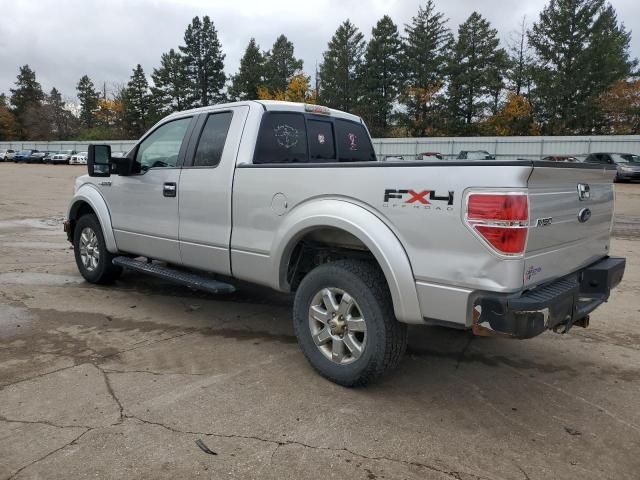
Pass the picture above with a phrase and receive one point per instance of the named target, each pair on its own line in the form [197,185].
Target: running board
[193,280]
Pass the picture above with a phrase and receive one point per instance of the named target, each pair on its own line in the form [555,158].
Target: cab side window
[212,140]
[161,148]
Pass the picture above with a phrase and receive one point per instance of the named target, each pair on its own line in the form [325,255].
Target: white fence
[508,147]
[502,147]
[116,145]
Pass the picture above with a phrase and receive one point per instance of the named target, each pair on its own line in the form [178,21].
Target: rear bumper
[558,305]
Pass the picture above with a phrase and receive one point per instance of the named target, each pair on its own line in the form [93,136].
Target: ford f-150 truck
[291,196]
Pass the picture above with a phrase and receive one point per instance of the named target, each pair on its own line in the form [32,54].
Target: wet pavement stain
[36,278]
[36,245]
[39,223]
[14,321]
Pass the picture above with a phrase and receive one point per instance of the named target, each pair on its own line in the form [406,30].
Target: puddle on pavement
[13,320]
[36,278]
[45,223]
[37,245]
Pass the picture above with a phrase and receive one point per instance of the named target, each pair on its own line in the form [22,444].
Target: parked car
[393,158]
[6,155]
[475,155]
[292,196]
[560,158]
[37,156]
[63,156]
[78,159]
[627,164]
[23,156]
[430,156]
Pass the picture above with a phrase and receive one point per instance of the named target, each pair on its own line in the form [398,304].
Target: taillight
[501,219]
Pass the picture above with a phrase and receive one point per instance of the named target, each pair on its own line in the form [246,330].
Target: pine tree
[250,76]
[138,113]
[204,62]
[520,61]
[60,121]
[476,70]
[581,50]
[25,98]
[8,124]
[427,47]
[382,75]
[341,68]
[88,97]
[280,65]
[170,83]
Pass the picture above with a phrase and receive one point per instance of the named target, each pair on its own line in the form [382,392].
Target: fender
[89,194]
[369,229]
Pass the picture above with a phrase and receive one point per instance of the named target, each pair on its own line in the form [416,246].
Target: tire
[369,323]
[92,258]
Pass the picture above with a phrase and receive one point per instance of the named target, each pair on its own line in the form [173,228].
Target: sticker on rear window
[286,136]
[353,141]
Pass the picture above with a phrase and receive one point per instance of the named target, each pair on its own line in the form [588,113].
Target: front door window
[161,148]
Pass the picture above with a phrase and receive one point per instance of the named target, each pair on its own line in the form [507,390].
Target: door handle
[169,189]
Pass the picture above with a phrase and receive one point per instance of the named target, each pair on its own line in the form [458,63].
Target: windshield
[625,158]
[24,152]
[478,155]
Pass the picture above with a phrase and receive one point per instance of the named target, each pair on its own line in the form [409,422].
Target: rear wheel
[345,324]
[92,258]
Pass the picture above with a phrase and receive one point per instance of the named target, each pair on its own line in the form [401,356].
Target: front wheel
[345,325]
[92,257]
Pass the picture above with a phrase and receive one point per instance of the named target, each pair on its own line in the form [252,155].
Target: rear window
[322,145]
[353,142]
[287,137]
[282,139]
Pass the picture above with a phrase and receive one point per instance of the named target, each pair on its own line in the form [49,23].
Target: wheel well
[323,245]
[78,210]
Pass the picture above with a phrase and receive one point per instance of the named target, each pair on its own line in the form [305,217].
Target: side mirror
[99,160]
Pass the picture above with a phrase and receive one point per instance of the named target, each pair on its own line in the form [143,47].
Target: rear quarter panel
[441,249]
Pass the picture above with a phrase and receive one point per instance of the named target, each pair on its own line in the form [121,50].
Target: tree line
[569,72]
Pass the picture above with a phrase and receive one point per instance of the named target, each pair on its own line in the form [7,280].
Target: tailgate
[570,215]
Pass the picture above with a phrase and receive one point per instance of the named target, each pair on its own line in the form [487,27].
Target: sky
[65,39]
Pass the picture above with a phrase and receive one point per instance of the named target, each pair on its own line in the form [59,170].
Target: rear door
[205,189]
[570,215]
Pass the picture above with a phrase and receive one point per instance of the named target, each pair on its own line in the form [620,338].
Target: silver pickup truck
[291,196]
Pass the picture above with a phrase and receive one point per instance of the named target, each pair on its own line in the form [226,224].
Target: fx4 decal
[417,198]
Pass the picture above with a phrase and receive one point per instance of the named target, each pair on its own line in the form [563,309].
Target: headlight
[625,169]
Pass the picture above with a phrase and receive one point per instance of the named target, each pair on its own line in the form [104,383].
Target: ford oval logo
[584,215]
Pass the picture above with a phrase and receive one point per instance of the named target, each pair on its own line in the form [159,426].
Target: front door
[144,206]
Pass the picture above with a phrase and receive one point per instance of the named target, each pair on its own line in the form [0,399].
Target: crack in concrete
[40,375]
[151,372]
[464,351]
[68,444]
[42,422]
[279,443]
[94,363]
[112,393]
[526,475]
